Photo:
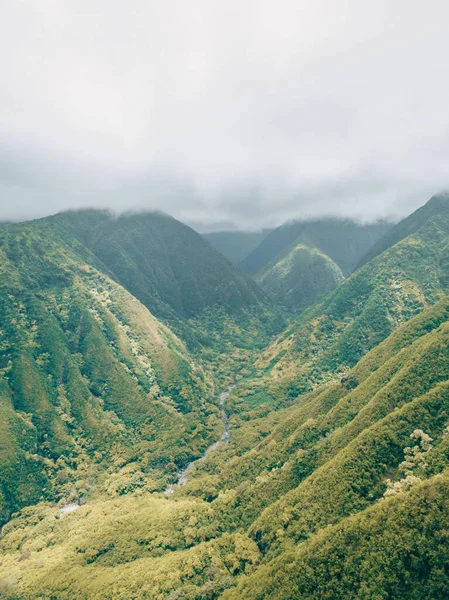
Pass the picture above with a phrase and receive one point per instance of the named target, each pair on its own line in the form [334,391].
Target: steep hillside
[330,337]
[407,226]
[397,549]
[90,381]
[162,262]
[178,276]
[299,276]
[236,245]
[343,495]
[344,241]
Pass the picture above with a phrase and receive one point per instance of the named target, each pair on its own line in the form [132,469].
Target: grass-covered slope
[344,241]
[343,495]
[90,381]
[165,264]
[236,245]
[330,337]
[299,276]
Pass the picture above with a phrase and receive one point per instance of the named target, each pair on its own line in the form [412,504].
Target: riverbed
[183,476]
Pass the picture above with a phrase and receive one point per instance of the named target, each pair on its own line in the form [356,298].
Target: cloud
[240,112]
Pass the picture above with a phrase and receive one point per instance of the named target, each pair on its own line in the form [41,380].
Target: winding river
[183,476]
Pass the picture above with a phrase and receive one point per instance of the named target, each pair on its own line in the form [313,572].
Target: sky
[226,114]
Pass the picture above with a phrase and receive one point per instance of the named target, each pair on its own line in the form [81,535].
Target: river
[183,476]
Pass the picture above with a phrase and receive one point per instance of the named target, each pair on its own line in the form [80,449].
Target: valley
[173,426]
[183,476]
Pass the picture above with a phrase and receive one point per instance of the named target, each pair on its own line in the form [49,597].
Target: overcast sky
[223,113]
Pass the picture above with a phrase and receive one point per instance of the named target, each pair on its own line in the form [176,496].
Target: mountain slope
[407,226]
[397,549]
[321,503]
[236,245]
[344,241]
[163,263]
[342,492]
[299,276]
[333,335]
[81,362]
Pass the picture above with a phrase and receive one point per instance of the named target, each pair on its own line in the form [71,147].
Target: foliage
[331,336]
[299,276]
[334,483]
[345,242]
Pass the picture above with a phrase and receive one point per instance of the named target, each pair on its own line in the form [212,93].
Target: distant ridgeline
[345,242]
[335,481]
[332,335]
[236,245]
[301,261]
[176,274]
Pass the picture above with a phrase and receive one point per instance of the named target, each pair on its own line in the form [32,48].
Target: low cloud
[238,114]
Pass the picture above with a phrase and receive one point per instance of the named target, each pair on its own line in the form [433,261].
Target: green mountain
[344,241]
[408,225]
[299,276]
[331,475]
[343,495]
[177,275]
[82,361]
[330,337]
[236,245]
[165,264]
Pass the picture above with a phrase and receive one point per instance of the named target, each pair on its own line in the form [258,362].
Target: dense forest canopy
[172,427]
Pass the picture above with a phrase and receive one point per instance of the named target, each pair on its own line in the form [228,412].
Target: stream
[183,476]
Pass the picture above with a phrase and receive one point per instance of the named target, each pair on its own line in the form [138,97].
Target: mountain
[344,241]
[165,264]
[343,495]
[236,245]
[407,226]
[82,358]
[330,476]
[299,276]
[330,337]
[178,276]
[82,361]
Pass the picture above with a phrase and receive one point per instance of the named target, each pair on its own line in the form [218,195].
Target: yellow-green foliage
[397,549]
[331,336]
[342,492]
[142,547]
[82,362]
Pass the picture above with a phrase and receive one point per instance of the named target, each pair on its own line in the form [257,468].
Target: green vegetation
[407,226]
[82,361]
[299,276]
[344,241]
[331,336]
[254,513]
[334,483]
[166,265]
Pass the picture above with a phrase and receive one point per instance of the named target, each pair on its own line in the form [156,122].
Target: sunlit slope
[89,379]
[351,475]
[396,549]
[299,276]
[330,337]
[358,428]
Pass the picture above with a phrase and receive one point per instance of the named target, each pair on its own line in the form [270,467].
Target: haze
[237,114]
